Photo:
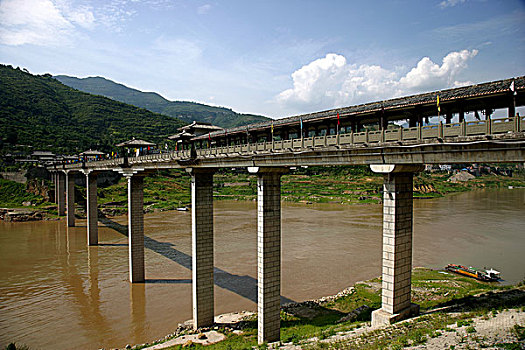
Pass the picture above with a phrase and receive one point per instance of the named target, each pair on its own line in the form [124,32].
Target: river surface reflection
[55,293]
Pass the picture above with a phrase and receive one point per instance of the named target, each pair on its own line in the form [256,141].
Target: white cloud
[42,22]
[201,10]
[37,22]
[82,16]
[62,22]
[450,3]
[115,13]
[331,82]
[428,75]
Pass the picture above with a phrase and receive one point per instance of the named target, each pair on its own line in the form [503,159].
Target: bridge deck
[499,140]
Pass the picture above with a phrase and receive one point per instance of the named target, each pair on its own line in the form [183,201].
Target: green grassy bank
[445,299]
[170,189]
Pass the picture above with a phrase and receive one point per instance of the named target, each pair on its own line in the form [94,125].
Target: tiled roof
[396,103]
[135,143]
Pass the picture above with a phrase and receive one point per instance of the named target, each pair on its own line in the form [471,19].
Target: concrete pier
[202,246]
[61,193]
[54,179]
[397,243]
[91,208]
[70,198]
[136,228]
[268,252]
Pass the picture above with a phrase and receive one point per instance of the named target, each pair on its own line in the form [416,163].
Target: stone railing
[422,133]
[437,131]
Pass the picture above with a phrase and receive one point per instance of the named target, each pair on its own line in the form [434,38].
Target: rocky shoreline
[21,215]
[236,322]
[458,325]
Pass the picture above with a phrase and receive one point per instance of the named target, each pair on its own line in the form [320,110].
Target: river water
[57,294]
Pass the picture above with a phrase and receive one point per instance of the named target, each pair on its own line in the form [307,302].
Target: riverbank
[170,189]
[456,313]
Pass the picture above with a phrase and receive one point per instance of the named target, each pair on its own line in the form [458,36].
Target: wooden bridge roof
[498,89]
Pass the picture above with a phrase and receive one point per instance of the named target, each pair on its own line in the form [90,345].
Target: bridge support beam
[397,243]
[136,227]
[202,246]
[70,203]
[91,208]
[268,252]
[61,193]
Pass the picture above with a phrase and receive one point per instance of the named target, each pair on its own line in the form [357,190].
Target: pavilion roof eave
[92,153]
[182,135]
[135,143]
[208,127]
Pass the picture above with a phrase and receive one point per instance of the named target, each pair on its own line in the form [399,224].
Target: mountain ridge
[185,110]
[41,113]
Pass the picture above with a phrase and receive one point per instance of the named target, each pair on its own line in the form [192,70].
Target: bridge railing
[428,132]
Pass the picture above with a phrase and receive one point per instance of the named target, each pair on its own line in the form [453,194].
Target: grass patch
[300,325]
[13,194]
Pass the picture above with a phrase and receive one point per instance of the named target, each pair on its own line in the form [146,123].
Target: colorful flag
[272,128]
[438,106]
[209,137]
[338,121]
[301,119]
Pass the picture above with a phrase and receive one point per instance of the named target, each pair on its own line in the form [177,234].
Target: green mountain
[187,111]
[42,112]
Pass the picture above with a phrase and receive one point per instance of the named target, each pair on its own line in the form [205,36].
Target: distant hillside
[42,112]
[187,111]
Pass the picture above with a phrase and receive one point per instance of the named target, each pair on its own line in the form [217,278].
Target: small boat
[182,209]
[490,275]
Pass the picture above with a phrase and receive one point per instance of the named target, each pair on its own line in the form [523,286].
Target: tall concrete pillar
[61,193]
[202,246]
[55,183]
[397,243]
[136,228]
[91,208]
[70,202]
[268,252]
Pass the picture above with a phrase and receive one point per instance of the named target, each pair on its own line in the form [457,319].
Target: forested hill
[42,112]
[187,111]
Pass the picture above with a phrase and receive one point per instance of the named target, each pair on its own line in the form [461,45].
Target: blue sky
[276,58]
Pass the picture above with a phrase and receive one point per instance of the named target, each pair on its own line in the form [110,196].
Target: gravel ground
[496,329]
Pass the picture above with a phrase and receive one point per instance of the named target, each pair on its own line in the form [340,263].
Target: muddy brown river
[55,293]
